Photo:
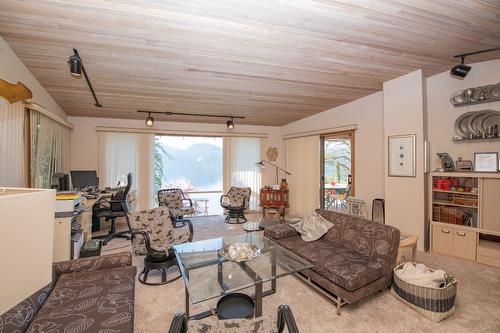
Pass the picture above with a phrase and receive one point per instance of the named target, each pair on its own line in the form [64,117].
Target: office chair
[117,206]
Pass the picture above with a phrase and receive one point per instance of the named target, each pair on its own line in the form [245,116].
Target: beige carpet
[478,298]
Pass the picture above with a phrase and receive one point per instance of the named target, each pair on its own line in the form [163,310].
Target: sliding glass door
[337,169]
[193,164]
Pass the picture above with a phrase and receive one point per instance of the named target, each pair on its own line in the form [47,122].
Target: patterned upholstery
[238,197]
[174,199]
[20,316]
[356,255]
[156,222]
[349,270]
[93,294]
[256,325]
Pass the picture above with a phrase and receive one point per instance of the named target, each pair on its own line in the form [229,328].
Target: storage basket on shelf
[434,303]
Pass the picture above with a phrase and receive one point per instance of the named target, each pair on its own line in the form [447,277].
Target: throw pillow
[313,227]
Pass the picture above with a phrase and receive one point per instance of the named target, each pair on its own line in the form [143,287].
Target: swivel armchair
[178,205]
[236,201]
[153,235]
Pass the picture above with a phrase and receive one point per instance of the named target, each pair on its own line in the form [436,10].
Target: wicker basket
[434,303]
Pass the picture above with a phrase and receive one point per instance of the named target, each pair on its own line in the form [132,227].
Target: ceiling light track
[150,121]
[76,68]
[460,71]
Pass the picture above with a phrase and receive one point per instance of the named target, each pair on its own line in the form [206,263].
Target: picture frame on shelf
[402,155]
[486,162]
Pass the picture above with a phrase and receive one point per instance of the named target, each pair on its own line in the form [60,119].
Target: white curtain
[49,149]
[240,156]
[303,162]
[117,158]
[12,149]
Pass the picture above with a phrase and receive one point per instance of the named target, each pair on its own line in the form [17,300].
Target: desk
[88,203]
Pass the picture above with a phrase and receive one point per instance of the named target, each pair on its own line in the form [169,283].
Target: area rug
[478,297]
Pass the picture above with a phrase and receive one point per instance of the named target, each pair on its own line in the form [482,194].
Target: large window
[193,164]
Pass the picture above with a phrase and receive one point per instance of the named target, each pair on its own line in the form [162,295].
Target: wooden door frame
[333,135]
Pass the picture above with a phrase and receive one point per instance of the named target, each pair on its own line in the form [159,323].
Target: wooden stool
[409,241]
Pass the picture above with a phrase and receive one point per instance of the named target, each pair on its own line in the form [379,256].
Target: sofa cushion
[89,302]
[280,231]
[373,240]
[347,269]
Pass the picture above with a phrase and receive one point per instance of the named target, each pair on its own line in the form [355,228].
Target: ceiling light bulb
[230,124]
[75,66]
[150,121]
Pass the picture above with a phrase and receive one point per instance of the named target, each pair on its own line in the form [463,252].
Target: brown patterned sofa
[93,294]
[353,260]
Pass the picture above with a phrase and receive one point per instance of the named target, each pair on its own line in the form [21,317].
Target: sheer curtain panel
[48,140]
[303,162]
[240,156]
[117,158]
[12,147]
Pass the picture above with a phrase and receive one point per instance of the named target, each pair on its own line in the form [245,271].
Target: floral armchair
[152,230]
[236,201]
[176,202]
[284,318]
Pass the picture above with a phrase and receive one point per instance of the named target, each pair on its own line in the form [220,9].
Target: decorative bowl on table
[251,226]
[239,252]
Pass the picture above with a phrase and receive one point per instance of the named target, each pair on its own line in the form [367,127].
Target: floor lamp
[262,166]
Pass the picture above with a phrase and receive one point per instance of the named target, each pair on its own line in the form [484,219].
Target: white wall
[84,143]
[404,114]
[442,114]
[13,70]
[367,113]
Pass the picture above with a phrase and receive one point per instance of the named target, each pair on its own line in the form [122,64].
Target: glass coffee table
[207,275]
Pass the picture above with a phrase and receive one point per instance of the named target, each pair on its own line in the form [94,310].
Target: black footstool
[160,261]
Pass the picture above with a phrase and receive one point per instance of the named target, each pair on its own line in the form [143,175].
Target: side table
[407,241]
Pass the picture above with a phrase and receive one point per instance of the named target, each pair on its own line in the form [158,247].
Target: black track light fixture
[76,68]
[460,71]
[150,121]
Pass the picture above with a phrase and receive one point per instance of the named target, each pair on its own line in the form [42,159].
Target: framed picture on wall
[401,152]
[486,162]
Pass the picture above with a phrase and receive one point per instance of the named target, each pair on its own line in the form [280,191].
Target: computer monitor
[84,178]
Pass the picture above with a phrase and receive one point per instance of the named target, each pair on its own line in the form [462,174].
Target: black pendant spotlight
[76,68]
[460,71]
[150,121]
[75,65]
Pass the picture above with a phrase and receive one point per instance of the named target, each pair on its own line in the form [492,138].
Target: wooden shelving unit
[458,228]
[450,203]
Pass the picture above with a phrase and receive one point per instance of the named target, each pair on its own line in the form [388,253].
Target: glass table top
[207,276]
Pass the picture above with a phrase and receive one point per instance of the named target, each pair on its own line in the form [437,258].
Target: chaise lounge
[88,294]
[354,259]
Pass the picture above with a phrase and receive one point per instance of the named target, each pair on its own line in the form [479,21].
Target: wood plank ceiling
[272,61]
